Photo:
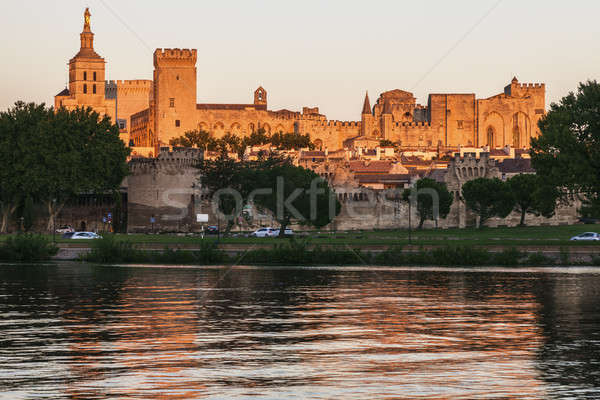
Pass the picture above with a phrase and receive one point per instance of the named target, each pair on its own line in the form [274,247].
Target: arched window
[84,75]
[84,88]
[490,137]
[95,76]
[516,132]
[94,89]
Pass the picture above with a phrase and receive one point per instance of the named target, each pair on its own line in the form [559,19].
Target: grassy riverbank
[515,236]
[112,249]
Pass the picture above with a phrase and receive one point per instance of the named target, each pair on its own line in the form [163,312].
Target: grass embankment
[111,249]
[515,236]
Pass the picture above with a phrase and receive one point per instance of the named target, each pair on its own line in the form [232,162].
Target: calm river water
[82,332]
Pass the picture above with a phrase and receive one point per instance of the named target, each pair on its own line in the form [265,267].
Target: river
[76,331]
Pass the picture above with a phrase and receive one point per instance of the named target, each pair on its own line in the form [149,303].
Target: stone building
[152,112]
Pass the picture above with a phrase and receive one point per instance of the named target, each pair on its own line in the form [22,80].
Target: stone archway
[490,136]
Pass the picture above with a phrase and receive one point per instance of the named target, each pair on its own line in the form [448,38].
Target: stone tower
[86,77]
[174,93]
[366,117]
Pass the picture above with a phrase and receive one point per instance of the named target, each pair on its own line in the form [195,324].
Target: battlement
[417,124]
[178,159]
[175,56]
[135,83]
[525,86]
[338,124]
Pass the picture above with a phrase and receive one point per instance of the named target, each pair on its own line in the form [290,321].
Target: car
[287,232]
[67,235]
[587,236]
[588,220]
[212,229]
[65,229]
[85,235]
[264,232]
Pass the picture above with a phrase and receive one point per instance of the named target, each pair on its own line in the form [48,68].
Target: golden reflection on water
[168,334]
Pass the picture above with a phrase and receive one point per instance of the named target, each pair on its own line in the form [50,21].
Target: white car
[288,232]
[587,236]
[85,235]
[265,232]
[65,229]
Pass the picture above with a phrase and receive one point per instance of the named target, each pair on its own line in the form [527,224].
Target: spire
[367,104]
[87,38]
[515,80]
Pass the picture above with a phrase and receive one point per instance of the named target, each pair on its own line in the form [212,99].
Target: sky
[323,53]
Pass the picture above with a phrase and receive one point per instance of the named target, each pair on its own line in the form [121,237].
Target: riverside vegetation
[27,248]
[111,249]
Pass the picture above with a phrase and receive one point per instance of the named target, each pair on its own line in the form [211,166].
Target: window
[94,76]
[177,123]
[460,124]
[84,88]
[171,102]
[84,75]
[94,88]
[122,123]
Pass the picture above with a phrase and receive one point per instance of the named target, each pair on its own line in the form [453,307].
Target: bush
[508,257]
[109,249]
[538,259]
[461,255]
[27,248]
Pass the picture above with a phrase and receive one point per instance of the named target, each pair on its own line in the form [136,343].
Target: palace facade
[150,113]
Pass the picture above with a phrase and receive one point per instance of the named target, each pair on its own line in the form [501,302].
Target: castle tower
[260,97]
[174,93]
[366,117]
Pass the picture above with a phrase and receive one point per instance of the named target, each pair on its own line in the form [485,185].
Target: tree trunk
[284,225]
[522,223]
[54,208]
[421,222]
[7,210]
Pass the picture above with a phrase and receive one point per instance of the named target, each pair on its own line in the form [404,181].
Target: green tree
[291,141]
[196,138]
[28,214]
[428,192]
[533,196]
[297,194]
[386,142]
[566,152]
[58,154]
[488,198]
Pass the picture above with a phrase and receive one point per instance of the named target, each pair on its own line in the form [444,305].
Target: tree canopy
[488,198]
[532,195]
[58,154]
[273,183]
[566,152]
[430,195]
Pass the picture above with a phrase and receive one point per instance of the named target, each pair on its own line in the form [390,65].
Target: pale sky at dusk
[313,53]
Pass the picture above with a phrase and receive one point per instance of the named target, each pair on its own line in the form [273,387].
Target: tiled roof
[516,165]
[230,106]
[373,166]
[312,154]
[64,92]
[384,178]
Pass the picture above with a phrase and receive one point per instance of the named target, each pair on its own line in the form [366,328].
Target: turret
[366,117]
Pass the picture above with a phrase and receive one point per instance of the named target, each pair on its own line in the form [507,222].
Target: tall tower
[386,120]
[260,97]
[366,117]
[86,78]
[174,93]
[87,69]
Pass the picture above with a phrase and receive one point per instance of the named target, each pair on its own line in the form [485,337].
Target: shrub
[508,257]
[565,256]
[460,255]
[109,249]
[27,248]
[538,259]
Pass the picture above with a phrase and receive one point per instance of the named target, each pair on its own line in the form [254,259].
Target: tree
[289,141]
[533,196]
[196,138]
[58,154]
[386,142]
[296,193]
[488,198]
[566,152]
[428,192]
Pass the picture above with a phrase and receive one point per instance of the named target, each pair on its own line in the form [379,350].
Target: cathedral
[149,113]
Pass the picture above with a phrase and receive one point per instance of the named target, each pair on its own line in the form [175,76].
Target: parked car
[84,235]
[65,229]
[264,232]
[67,235]
[212,230]
[287,232]
[588,220]
[587,236]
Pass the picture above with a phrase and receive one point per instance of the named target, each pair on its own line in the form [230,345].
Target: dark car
[212,229]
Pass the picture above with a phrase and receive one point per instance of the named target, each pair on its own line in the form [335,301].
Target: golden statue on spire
[86,19]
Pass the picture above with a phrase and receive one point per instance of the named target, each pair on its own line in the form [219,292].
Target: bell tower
[260,97]
[87,69]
